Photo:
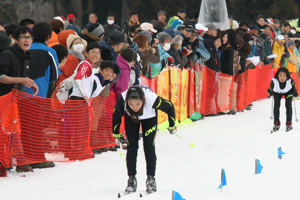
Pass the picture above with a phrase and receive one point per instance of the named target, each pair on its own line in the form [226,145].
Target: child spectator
[62,54]
[83,86]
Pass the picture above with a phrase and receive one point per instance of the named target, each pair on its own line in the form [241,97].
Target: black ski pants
[132,128]
[288,105]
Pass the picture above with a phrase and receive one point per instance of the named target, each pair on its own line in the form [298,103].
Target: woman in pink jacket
[125,60]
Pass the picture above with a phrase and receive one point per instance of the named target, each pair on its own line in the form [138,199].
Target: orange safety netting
[36,129]
[32,131]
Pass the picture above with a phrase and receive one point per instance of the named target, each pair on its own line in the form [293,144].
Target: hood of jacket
[63,36]
[77,54]
[20,53]
[90,35]
[53,40]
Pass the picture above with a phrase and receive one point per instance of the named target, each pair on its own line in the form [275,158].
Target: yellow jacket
[277,49]
[293,60]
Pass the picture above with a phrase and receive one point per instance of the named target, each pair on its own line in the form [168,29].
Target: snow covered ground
[229,142]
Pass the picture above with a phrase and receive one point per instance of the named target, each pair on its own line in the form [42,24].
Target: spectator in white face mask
[165,41]
[110,26]
[76,47]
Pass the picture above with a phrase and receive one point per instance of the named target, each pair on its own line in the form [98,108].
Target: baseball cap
[280,37]
[253,27]
[117,36]
[147,27]
[200,27]
[181,10]
[70,17]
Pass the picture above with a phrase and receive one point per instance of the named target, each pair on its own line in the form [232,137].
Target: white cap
[60,19]
[199,26]
[280,37]
[235,24]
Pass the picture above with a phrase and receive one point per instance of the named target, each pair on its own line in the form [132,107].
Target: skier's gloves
[172,130]
[119,139]
[270,92]
[296,98]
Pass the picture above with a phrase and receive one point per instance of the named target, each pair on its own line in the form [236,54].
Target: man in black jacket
[14,64]
[14,70]
[213,62]
[110,26]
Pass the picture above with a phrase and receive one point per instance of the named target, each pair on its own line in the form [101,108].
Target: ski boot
[150,184]
[276,126]
[289,126]
[132,184]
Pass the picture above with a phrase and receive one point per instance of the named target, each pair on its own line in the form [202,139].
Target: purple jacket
[122,83]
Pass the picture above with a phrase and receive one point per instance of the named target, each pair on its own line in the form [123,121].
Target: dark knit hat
[263,36]
[246,37]
[96,29]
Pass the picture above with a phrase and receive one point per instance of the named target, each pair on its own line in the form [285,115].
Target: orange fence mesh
[101,124]
[36,129]
[32,131]
[175,89]
[163,90]
[184,95]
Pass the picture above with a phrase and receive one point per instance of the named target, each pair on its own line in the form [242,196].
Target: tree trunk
[90,7]
[77,6]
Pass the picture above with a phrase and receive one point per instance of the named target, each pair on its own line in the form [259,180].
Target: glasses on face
[26,37]
[282,40]
[94,52]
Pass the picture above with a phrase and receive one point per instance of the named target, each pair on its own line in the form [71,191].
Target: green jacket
[268,51]
[171,20]
[297,52]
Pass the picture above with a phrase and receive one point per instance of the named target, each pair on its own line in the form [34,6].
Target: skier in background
[283,85]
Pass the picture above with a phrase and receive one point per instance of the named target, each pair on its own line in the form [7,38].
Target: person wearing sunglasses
[139,104]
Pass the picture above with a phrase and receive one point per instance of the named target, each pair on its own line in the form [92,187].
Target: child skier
[283,85]
[139,104]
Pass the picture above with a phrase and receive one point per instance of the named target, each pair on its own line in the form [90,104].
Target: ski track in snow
[229,142]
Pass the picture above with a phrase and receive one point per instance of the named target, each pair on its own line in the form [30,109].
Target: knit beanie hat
[246,37]
[290,43]
[96,29]
[176,24]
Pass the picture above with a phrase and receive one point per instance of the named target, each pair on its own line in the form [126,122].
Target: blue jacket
[44,69]
[108,53]
[157,67]
[203,51]
[74,27]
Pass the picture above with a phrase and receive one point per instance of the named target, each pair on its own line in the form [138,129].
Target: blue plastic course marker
[176,196]
[258,166]
[280,153]
[223,179]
